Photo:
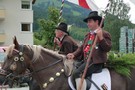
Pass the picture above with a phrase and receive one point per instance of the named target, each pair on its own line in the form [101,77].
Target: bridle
[21,58]
[6,74]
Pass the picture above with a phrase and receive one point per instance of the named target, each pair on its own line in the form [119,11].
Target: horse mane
[37,52]
[36,49]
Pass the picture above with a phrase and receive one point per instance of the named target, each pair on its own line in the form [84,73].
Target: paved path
[23,88]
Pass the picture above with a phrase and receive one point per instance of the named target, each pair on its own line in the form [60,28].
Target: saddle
[99,80]
[87,82]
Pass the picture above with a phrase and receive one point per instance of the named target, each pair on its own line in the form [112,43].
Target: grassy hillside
[72,13]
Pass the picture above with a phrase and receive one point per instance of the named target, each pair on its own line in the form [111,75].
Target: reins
[47,66]
[3,73]
[40,69]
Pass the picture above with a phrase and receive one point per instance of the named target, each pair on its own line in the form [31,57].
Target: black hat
[63,27]
[93,14]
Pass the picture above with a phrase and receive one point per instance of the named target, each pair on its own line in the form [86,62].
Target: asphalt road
[23,88]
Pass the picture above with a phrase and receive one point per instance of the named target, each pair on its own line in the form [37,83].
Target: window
[26,4]
[26,27]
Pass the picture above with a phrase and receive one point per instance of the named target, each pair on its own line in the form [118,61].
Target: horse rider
[99,53]
[65,42]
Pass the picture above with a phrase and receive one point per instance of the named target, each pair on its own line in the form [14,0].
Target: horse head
[17,60]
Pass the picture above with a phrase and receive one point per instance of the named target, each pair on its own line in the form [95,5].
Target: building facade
[16,19]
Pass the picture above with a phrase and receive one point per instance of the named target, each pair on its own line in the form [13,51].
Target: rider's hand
[70,56]
[57,41]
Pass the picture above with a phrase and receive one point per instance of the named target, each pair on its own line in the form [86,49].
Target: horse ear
[15,42]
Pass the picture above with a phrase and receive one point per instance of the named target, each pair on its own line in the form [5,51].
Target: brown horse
[47,68]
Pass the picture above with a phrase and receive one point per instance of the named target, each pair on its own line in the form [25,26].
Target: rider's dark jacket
[99,54]
[67,45]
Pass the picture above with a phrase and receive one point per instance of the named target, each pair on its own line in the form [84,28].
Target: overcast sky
[131,12]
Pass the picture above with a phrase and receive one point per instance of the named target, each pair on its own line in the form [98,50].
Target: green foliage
[119,9]
[47,28]
[78,33]
[121,63]
[39,42]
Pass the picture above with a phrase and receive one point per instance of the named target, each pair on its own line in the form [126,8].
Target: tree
[119,9]
[117,16]
[47,27]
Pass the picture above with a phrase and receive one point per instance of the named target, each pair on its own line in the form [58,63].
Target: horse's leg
[118,82]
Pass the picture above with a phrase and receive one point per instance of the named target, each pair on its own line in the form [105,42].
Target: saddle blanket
[98,78]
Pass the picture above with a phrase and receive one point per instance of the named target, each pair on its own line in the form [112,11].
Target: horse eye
[21,58]
[16,58]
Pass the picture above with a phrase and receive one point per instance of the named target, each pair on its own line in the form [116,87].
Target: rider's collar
[92,32]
